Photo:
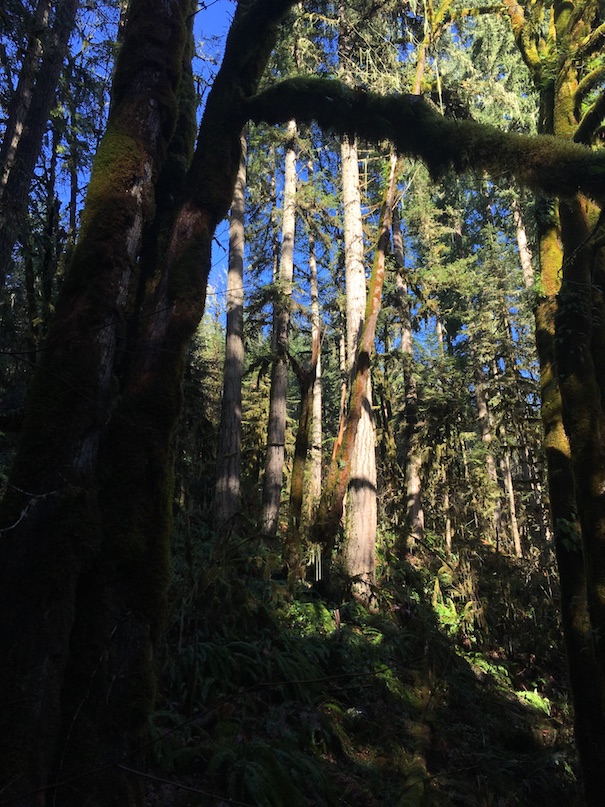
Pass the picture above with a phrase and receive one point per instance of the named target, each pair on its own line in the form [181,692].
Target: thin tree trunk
[314,477]
[228,496]
[413,448]
[485,431]
[276,432]
[509,489]
[527,266]
[25,129]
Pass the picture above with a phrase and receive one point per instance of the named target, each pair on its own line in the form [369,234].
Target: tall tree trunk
[228,496]
[22,99]
[357,562]
[313,491]
[583,674]
[569,324]
[358,555]
[485,431]
[86,518]
[530,470]
[31,109]
[305,486]
[509,490]
[413,448]
[276,432]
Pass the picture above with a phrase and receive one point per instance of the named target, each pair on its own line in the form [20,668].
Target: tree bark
[86,519]
[485,431]
[569,325]
[358,562]
[28,118]
[413,448]
[228,497]
[314,479]
[276,432]
[358,554]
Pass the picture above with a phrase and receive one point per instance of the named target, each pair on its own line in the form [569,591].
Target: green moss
[545,163]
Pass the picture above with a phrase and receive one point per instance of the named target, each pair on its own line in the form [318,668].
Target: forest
[302,420]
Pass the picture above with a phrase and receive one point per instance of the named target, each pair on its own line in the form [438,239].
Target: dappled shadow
[270,698]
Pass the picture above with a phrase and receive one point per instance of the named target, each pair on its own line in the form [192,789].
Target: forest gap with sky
[302,438]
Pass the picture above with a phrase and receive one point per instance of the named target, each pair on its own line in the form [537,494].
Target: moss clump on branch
[545,163]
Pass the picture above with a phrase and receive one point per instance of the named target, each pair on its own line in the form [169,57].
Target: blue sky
[211,27]
[214,18]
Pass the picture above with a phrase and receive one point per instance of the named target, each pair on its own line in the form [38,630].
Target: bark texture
[569,336]
[228,497]
[86,520]
[359,548]
[276,432]
[356,562]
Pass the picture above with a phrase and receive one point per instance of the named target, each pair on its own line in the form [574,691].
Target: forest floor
[453,692]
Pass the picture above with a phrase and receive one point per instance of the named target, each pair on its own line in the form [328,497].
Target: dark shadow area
[273,697]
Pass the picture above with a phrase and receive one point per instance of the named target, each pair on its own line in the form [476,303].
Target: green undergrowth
[273,697]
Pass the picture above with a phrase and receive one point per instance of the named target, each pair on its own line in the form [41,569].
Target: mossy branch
[593,42]
[545,163]
[591,120]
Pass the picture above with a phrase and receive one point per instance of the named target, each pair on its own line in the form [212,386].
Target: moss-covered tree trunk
[569,337]
[584,680]
[51,515]
[86,519]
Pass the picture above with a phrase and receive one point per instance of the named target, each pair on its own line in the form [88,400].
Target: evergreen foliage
[219,676]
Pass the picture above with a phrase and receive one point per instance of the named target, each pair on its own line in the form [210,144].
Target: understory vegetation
[452,692]
[301,416]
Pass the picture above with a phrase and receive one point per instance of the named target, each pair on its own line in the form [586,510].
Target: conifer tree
[228,475]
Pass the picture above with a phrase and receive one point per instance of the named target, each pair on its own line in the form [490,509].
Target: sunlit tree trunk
[313,491]
[276,432]
[530,470]
[357,562]
[361,509]
[227,495]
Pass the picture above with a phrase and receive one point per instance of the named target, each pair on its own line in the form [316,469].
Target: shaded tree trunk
[228,496]
[583,675]
[485,431]
[569,325]
[276,432]
[28,118]
[86,519]
[413,448]
[313,490]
